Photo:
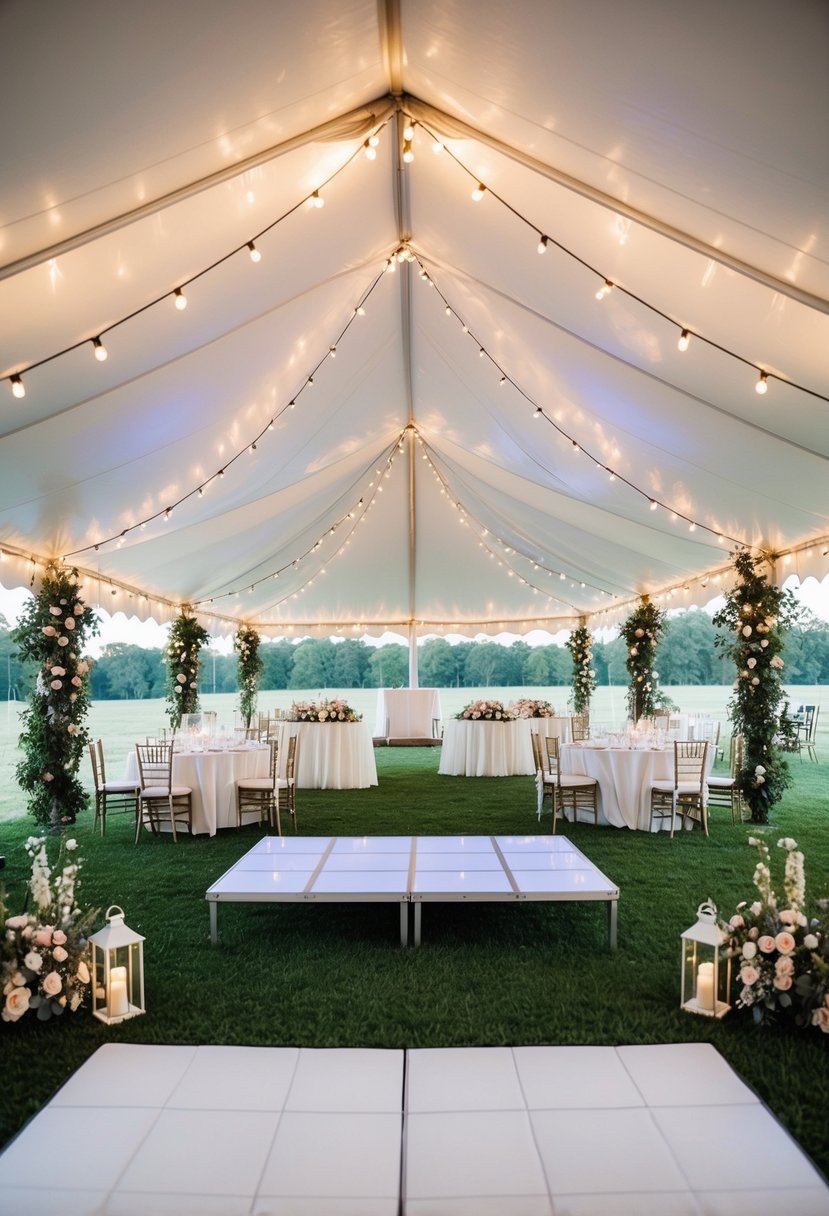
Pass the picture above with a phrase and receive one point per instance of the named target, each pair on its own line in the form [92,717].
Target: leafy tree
[538,667]
[313,666]
[487,664]
[580,645]
[17,676]
[389,667]
[277,664]
[350,664]
[438,664]
[130,672]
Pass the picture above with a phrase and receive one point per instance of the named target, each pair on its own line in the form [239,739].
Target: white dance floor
[413,870]
[525,1131]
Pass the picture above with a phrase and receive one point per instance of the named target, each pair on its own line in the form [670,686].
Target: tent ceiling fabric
[449,466]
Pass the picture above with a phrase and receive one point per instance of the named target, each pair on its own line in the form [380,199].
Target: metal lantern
[706,967]
[117,970]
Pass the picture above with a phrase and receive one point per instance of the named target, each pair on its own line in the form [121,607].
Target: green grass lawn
[487,974]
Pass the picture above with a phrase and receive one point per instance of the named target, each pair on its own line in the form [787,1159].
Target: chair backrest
[661,712]
[155,764]
[580,726]
[290,760]
[553,755]
[690,758]
[102,768]
[809,716]
[93,756]
[813,727]
[737,753]
[274,761]
[536,746]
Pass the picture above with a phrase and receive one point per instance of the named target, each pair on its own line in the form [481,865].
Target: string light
[180,299]
[479,192]
[371,150]
[408,153]
[762,385]
[408,129]
[18,387]
[684,339]
[543,242]
[255,254]
[99,349]
[604,290]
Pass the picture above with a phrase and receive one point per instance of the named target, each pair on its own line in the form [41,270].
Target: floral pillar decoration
[186,639]
[246,643]
[580,645]
[52,631]
[756,615]
[642,632]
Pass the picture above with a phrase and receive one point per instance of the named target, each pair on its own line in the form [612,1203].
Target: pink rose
[56,684]
[17,922]
[766,944]
[753,933]
[784,942]
[52,983]
[787,917]
[69,623]
[59,954]
[17,1002]
[59,937]
[63,641]
[736,922]
[784,966]
[55,611]
[819,1018]
[749,975]
[783,982]
[43,937]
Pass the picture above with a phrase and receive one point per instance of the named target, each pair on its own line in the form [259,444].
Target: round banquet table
[625,777]
[486,749]
[329,755]
[212,776]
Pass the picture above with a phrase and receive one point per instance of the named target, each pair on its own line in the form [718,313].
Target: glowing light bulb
[762,385]
[479,192]
[408,154]
[543,241]
[317,200]
[99,349]
[604,290]
[408,130]
[373,140]
[180,299]
[684,339]
[255,254]
[653,504]
[18,388]
[371,150]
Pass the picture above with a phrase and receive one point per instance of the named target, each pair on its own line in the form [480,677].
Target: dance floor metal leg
[418,907]
[404,924]
[214,922]
[612,910]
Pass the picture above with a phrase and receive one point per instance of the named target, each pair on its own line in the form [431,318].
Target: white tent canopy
[473,442]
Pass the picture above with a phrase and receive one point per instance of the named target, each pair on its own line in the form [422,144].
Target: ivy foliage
[52,631]
[580,645]
[246,642]
[181,655]
[754,621]
[642,632]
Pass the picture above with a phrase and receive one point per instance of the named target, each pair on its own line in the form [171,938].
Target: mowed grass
[486,974]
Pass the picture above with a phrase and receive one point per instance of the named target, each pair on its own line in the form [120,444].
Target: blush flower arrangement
[485,711]
[335,710]
[43,951]
[181,656]
[782,956]
[526,707]
[246,643]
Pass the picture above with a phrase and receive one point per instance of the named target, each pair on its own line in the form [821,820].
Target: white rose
[33,962]
[810,941]
[752,662]
[54,610]
[749,950]
[764,643]
[756,680]
[181,679]
[746,631]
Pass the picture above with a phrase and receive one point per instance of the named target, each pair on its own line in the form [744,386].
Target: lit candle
[705,986]
[118,1001]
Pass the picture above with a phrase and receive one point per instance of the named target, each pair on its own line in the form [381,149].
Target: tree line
[686,656]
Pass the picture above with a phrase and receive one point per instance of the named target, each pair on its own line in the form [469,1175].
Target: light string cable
[356,515]
[607,284]
[578,448]
[250,445]
[313,198]
[507,548]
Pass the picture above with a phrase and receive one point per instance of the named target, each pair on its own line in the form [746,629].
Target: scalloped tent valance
[411,408]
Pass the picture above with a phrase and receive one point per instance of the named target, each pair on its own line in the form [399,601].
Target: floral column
[187,637]
[580,645]
[642,631]
[756,615]
[52,631]
[246,644]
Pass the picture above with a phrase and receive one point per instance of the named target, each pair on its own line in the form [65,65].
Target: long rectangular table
[411,871]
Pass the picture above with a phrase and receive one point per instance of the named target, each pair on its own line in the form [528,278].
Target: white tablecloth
[212,777]
[486,749]
[406,713]
[625,777]
[552,728]
[330,755]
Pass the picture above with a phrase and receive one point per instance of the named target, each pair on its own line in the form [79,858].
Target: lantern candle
[118,1002]
[705,986]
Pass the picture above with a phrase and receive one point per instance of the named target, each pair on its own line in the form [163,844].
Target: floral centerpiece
[782,956]
[754,619]
[52,632]
[642,631]
[181,655]
[580,645]
[43,952]
[485,711]
[246,642]
[526,707]
[335,710]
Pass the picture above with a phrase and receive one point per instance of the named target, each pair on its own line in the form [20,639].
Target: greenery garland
[246,643]
[642,632]
[52,631]
[580,645]
[756,615]
[181,655]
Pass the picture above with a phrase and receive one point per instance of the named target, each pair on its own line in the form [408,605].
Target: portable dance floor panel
[662,1130]
[411,871]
